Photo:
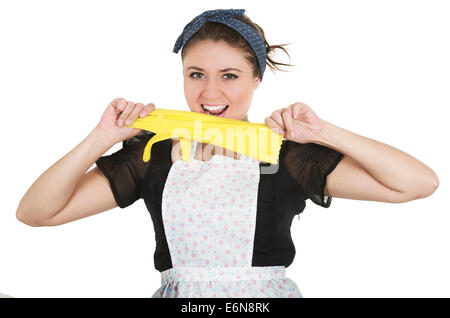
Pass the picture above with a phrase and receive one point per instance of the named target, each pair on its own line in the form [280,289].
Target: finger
[147,109]
[287,118]
[299,109]
[134,114]
[276,116]
[116,103]
[273,125]
[126,112]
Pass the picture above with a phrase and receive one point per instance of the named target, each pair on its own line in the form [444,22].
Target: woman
[222,229]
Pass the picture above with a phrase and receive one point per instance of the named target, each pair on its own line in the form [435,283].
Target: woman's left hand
[298,123]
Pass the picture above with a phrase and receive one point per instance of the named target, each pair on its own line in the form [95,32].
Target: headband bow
[226,17]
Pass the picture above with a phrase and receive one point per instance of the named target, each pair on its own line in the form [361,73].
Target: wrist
[103,138]
[325,137]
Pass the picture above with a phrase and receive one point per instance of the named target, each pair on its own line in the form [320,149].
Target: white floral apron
[209,217]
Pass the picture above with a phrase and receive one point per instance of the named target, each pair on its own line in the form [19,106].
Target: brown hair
[215,31]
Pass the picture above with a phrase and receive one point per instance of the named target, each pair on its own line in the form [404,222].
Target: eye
[233,76]
[192,74]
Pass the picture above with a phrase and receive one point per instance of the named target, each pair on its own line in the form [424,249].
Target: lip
[221,115]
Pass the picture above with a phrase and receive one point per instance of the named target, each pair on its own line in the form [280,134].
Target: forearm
[391,167]
[53,189]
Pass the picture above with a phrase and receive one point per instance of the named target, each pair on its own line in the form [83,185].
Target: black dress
[300,174]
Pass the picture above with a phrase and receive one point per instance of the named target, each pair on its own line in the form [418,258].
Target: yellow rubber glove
[263,145]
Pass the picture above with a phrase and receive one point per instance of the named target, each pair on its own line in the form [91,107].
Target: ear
[256,83]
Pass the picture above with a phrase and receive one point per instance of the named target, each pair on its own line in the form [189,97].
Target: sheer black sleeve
[125,169]
[310,164]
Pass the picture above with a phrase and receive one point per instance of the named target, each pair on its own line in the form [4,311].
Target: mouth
[217,113]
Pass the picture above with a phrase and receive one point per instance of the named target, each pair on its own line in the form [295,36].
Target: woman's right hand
[121,113]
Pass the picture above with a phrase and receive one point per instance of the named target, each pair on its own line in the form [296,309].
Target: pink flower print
[179,252]
[243,256]
[261,290]
[199,215]
[226,228]
[173,216]
[280,287]
[204,201]
[221,187]
[195,244]
[177,192]
[199,227]
[214,296]
[191,194]
[208,220]
[193,255]
[220,242]
[243,290]
[180,238]
[241,205]
[235,223]
[217,257]
[230,213]
[184,210]
[242,195]
[178,200]
[228,251]
[210,247]
[168,204]
[216,198]
[247,241]
[247,185]
[202,192]
[233,200]
[194,206]
[181,224]
[247,216]
[290,295]
[206,262]
[220,218]
[233,235]
[237,247]
[173,228]
[183,262]
[186,248]
[235,262]
[205,237]
[227,193]
[190,219]
[224,204]
[203,252]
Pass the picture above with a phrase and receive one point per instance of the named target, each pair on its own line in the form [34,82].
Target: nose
[211,90]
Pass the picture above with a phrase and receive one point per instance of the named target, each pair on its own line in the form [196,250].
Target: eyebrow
[224,70]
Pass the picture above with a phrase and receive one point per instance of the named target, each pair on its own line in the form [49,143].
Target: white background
[377,68]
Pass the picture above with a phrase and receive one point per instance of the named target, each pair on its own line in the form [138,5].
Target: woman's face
[217,74]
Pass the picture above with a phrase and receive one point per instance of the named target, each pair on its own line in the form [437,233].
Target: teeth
[214,108]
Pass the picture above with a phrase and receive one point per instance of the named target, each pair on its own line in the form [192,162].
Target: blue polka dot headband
[226,17]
